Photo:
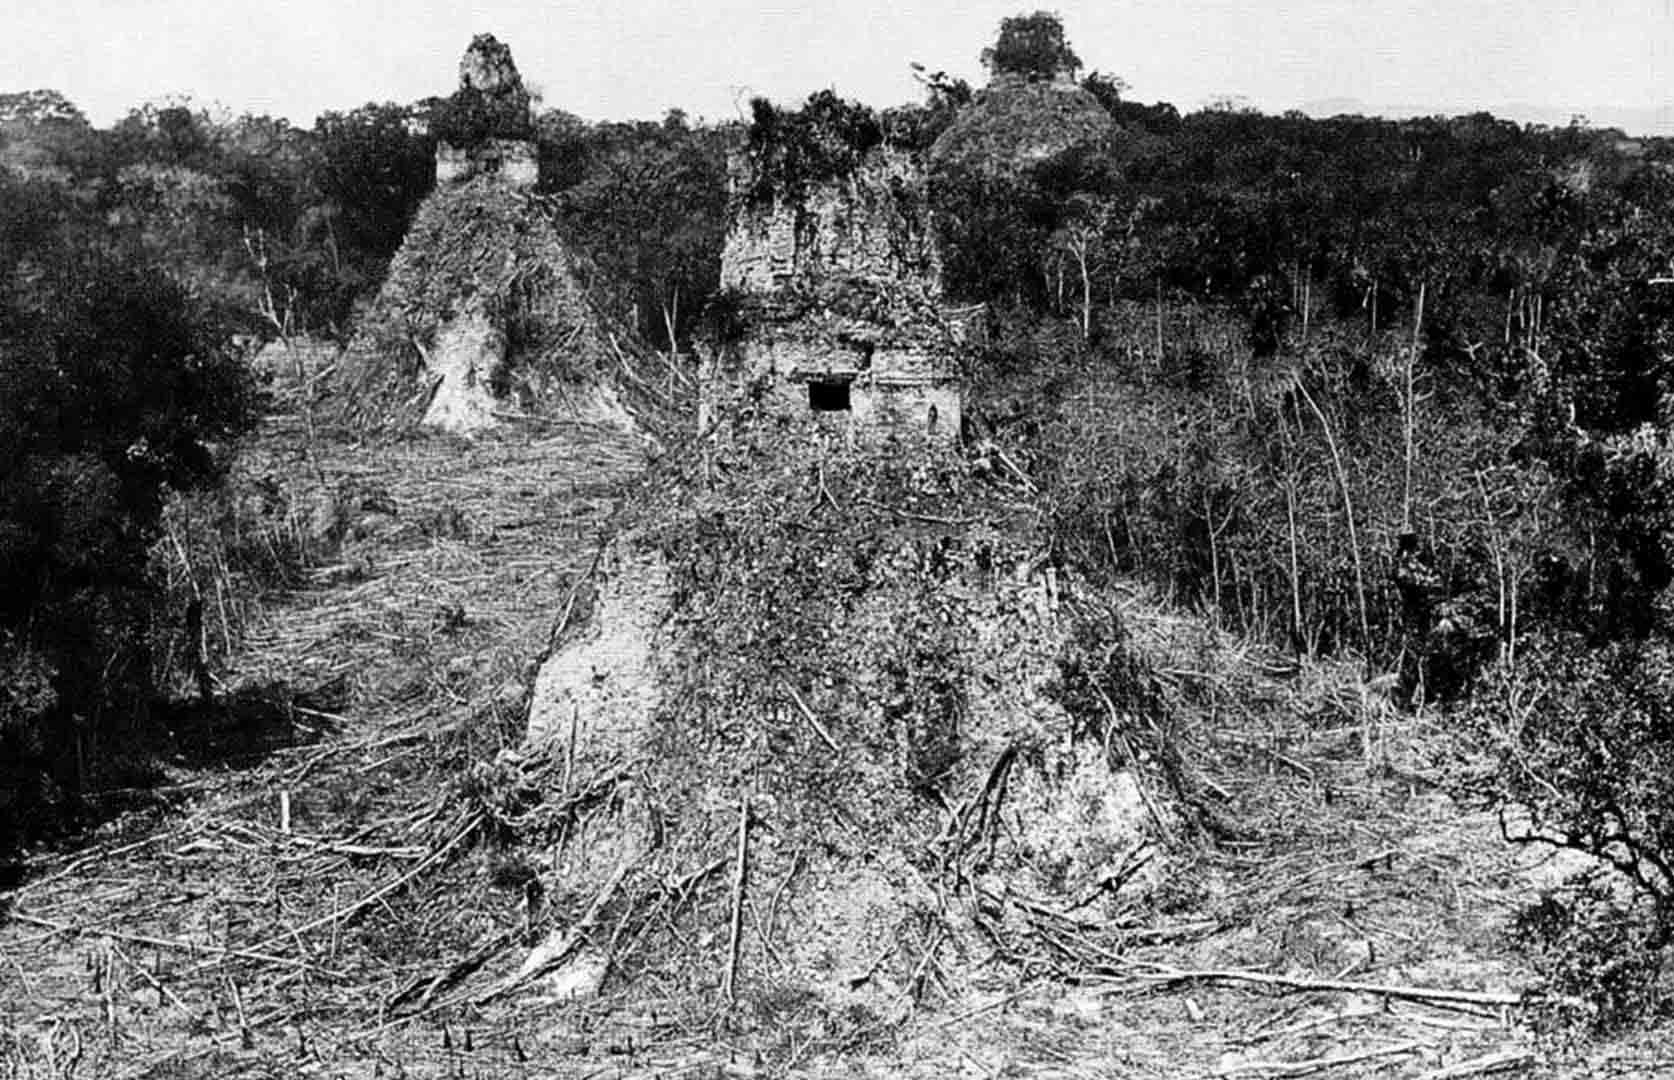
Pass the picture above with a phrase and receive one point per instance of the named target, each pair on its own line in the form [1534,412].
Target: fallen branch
[914,515]
[914,989]
[547,956]
[813,721]
[1499,1062]
[426,987]
[968,1014]
[568,609]
[1313,1065]
[1314,1024]
[988,803]
[729,982]
[1005,460]
[176,946]
[319,846]
[677,892]
[163,992]
[1282,982]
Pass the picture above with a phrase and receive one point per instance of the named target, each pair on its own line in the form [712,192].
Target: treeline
[1360,383]
[117,387]
[281,228]
[1400,390]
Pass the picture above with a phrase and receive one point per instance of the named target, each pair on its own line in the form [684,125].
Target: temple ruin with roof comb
[486,129]
[839,303]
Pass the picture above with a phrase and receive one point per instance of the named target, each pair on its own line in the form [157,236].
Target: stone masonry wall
[875,224]
[842,288]
[513,161]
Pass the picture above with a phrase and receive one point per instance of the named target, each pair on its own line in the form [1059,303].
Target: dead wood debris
[242,931]
[416,937]
[1309,1067]
[1485,998]
[558,948]
[735,927]
[1501,1061]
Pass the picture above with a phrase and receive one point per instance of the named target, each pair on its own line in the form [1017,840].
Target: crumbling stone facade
[839,304]
[512,161]
[874,225]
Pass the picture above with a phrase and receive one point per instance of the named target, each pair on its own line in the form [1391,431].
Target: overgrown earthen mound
[484,316]
[1016,124]
[847,693]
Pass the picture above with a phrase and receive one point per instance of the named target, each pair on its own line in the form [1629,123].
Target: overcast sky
[617,59]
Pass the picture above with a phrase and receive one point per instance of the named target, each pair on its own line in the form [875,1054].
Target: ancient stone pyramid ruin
[1017,123]
[484,314]
[838,285]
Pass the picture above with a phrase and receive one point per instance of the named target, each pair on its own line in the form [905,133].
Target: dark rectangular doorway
[828,396]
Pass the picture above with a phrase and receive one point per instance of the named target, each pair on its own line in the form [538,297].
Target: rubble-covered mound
[831,732]
[484,316]
[1016,124]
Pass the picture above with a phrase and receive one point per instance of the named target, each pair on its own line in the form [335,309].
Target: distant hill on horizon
[1653,122]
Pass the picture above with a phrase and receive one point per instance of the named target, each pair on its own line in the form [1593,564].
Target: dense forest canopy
[117,387]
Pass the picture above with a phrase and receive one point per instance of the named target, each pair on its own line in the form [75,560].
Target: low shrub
[1599,970]
[1584,741]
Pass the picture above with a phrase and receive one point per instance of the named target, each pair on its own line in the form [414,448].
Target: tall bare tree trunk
[1497,552]
[671,316]
[1299,634]
[1409,407]
[1341,472]
[1086,296]
[1159,322]
[1307,299]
